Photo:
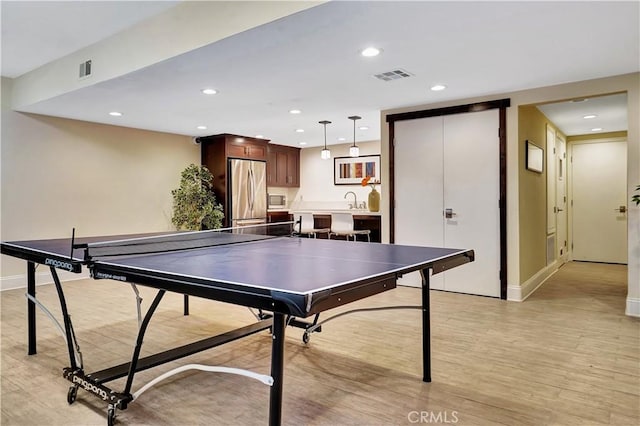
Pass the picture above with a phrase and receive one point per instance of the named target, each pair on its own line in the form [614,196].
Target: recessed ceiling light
[294,111]
[302,143]
[438,87]
[342,139]
[370,52]
[579,100]
[363,128]
[260,136]
[209,91]
[115,113]
[596,129]
[589,116]
[202,127]
[299,130]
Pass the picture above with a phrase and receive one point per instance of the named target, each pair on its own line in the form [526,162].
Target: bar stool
[307,225]
[342,225]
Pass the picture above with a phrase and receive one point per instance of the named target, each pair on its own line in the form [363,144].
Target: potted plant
[636,198]
[194,203]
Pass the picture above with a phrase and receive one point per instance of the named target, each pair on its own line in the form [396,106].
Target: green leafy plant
[636,198]
[194,203]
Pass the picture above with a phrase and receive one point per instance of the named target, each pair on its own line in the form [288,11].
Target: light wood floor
[566,356]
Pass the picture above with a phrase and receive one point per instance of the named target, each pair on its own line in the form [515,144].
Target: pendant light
[354,151]
[325,154]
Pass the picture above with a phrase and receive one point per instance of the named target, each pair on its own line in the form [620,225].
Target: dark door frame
[502,105]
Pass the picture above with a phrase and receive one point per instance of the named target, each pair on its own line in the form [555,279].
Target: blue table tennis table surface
[296,271]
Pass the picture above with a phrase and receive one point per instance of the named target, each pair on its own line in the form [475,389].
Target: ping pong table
[284,278]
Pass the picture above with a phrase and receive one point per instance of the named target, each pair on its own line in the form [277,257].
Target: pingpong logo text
[58,264]
[90,387]
[433,417]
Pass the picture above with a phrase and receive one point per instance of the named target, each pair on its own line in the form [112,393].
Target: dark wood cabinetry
[280,216]
[217,149]
[370,222]
[283,166]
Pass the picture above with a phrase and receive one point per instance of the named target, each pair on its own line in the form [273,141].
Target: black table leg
[426,327]
[31,308]
[277,369]
[186,304]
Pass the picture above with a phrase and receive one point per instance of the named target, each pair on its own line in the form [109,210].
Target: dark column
[426,327]
[31,308]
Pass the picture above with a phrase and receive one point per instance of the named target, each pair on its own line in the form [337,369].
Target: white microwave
[276,201]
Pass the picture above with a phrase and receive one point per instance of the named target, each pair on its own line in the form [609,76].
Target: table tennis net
[187,240]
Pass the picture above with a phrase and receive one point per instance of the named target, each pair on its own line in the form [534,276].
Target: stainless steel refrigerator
[248,192]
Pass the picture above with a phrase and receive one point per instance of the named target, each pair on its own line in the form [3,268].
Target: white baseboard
[519,293]
[633,307]
[20,281]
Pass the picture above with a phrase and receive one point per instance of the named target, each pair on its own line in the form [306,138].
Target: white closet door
[419,188]
[561,200]
[451,162]
[471,191]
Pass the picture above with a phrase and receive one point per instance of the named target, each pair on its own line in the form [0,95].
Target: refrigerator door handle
[250,186]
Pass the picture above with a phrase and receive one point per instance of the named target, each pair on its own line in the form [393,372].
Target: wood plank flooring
[566,356]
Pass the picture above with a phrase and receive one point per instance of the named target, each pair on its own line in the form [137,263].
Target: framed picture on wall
[534,157]
[351,170]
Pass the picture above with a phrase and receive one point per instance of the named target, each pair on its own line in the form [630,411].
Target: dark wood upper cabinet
[283,166]
[217,149]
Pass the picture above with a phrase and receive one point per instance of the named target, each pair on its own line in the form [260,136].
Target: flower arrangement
[374,196]
[366,181]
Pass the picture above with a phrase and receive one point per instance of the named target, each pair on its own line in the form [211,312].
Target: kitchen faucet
[355,200]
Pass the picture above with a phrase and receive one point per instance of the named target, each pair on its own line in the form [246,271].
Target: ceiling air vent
[393,75]
[85,69]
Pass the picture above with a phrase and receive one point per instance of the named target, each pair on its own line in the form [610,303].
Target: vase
[374,200]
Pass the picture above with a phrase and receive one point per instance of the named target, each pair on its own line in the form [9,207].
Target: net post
[73,240]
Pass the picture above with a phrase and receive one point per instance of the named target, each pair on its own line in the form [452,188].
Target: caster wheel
[111,416]
[72,394]
[305,338]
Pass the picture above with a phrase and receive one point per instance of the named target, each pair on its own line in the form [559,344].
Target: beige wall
[597,136]
[58,174]
[519,285]
[532,200]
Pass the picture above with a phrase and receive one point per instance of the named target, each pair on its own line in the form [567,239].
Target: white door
[551,180]
[561,200]
[599,202]
[451,162]
[419,189]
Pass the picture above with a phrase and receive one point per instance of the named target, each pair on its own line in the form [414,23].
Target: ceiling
[37,32]
[310,61]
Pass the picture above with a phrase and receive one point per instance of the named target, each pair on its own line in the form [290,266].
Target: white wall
[57,174]
[316,175]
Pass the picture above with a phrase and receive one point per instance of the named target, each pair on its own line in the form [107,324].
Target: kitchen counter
[355,212]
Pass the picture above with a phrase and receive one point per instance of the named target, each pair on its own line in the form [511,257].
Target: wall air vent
[393,75]
[85,69]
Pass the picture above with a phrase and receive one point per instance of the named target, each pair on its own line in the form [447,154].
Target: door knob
[448,213]
[621,209]
[560,210]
